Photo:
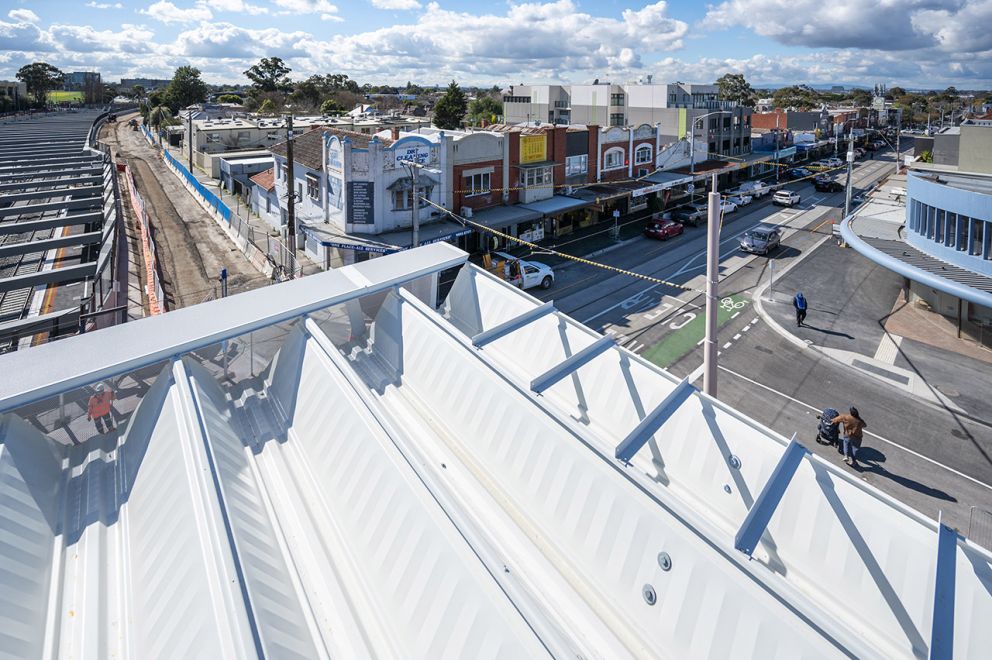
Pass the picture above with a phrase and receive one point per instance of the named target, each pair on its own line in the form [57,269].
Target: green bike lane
[684,331]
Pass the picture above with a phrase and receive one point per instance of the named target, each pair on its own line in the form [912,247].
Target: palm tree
[137,92]
[159,116]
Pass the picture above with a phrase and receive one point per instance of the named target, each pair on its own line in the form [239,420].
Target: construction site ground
[192,249]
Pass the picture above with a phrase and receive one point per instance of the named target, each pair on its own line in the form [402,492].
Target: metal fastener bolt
[734,462]
[664,561]
[650,597]
[727,488]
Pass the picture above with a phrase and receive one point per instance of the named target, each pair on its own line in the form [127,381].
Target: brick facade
[478,202]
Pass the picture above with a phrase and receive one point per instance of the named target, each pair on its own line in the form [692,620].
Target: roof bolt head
[650,597]
[727,488]
[734,462]
[665,561]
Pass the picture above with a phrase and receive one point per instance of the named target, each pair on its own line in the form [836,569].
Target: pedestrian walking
[100,408]
[799,302]
[852,435]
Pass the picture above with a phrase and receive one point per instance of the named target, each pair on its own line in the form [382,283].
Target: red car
[663,230]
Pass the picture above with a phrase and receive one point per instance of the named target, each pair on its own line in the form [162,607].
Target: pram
[828,433]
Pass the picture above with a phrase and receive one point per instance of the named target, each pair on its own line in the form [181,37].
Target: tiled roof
[266,179]
[308,149]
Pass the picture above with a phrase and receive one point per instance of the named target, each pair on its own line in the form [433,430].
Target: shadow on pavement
[827,332]
[870,460]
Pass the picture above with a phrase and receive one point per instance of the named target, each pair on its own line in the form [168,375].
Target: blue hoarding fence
[207,195]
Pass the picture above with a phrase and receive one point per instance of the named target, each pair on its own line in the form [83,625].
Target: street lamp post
[850,168]
[712,293]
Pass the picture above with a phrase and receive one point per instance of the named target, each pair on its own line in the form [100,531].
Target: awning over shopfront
[405,183]
[504,216]
[657,181]
[435,232]
[557,204]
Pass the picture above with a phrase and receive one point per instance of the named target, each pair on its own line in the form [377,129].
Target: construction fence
[153,283]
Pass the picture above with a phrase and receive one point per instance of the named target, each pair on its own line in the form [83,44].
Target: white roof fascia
[695,472]
[64,365]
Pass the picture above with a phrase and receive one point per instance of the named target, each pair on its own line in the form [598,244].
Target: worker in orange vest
[99,409]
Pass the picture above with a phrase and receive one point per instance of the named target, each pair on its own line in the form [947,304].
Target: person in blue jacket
[799,302]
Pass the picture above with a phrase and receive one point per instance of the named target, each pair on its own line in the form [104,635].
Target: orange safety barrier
[148,254]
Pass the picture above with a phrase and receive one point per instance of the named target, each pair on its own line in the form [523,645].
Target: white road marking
[735,315]
[888,348]
[874,435]
[727,345]
[746,328]
[700,342]
[737,336]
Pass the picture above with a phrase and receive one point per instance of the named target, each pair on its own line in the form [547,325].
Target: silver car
[761,240]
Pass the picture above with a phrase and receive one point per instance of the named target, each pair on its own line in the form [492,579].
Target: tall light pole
[189,123]
[850,168]
[692,144]
[712,293]
[291,188]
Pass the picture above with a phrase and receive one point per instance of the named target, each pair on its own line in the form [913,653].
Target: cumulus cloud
[166,12]
[23,15]
[227,41]
[306,7]
[131,39]
[23,37]
[397,5]
[104,5]
[235,6]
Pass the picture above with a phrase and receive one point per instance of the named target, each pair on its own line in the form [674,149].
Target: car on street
[690,215]
[761,239]
[664,230]
[818,163]
[859,199]
[798,173]
[827,185]
[755,189]
[532,273]
[786,198]
[859,152]
[727,206]
[833,162]
[740,200]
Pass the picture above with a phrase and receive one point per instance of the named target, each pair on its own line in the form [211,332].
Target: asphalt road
[921,453]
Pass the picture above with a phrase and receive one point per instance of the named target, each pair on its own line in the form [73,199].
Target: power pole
[778,167]
[712,273]
[189,124]
[898,133]
[850,169]
[291,188]
[415,207]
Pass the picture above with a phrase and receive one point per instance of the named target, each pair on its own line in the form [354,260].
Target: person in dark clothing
[851,436]
[799,302]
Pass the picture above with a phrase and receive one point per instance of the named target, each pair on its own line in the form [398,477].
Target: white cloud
[104,5]
[306,7]
[131,39]
[23,37]
[334,18]
[227,41]
[396,5]
[166,12]
[235,6]
[23,15]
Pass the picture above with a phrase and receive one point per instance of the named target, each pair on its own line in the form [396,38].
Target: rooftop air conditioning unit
[466,212]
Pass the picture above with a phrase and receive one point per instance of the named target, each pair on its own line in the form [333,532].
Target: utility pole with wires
[712,293]
[850,169]
[291,189]
[189,124]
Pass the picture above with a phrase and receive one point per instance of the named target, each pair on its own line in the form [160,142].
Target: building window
[617,119]
[313,186]
[613,159]
[272,135]
[616,99]
[244,135]
[642,154]
[726,146]
[976,236]
[963,222]
[402,200]
[576,165]
[478,184]
[939,222]
[284,171]
[213,137]
[537,176]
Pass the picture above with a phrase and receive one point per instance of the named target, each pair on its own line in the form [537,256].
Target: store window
[478,184]
[534,177]
[613,159]
[642,154]
[616,99]
[576,165]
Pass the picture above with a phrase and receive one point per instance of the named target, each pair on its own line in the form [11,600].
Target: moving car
[690,215]
[786,198]
[532,273]
[827,185]
[761,240]
[756,189]
[727,206]
[798,173]
[740,200]
[833,162]
[663,230]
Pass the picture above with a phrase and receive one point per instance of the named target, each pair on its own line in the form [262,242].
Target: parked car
[833,162]
[798,173]
[532,273]
[663,230]
[859,152]
[727,206]
[740,200]
[819,163]
[761,240]
[786,198]
[755,189]
[827,185]
[859,199]
[690,215]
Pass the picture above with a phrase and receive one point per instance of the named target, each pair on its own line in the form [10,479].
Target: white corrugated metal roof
[380,479]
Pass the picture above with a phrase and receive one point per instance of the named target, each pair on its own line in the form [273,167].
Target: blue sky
[917,43]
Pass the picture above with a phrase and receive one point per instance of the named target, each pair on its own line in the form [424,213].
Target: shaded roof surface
[308,147]
[266,179]
[439,508]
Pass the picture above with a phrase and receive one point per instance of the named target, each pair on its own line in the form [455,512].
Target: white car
[833,162]
[534,272]
[755,189]
[727,206]
[786,198]
[740,200]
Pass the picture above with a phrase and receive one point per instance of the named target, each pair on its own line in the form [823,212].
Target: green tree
[270,75]
[331,107]
[40,78]
[485,108]
[733,87]
[137,92]
[159,116]
[800,97]
[896,92]
[450,108]
[861,98]
[229,98]
[186,88]
[268,107]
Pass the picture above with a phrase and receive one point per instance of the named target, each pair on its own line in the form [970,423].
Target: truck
[755,189]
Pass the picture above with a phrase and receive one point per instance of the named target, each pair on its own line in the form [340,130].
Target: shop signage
[533,148]
[361,202]
[417,153]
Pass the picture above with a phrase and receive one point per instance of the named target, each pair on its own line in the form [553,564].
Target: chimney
[396,133]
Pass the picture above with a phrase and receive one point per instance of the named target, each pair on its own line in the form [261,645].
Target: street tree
[186,88]
[229,98]
[733,87]
[137,92]
[270,75]
[40,78]
[159,116]
[268,107]
[861,98]
[800,97]
[331,107]
[485,108]
[450,108]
